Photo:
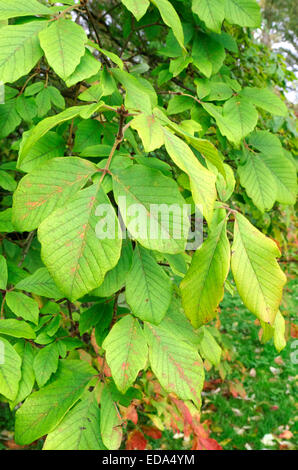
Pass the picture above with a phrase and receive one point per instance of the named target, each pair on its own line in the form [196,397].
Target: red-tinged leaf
[183,409]
[136,441]
[152,432]
[201,443]
[211,385]
[294,330]
[131,414]
[237,389]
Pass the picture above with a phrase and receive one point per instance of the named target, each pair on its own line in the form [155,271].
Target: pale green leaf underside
[47,188]
[148,288]
[212,12]
[170,18]
[28,378]
[149,130]
[258,277]
[115,279]
[208,347]
[125,352]
[243,12]
[87,67]
[137,7]
[79,430]
[16,328]
[208,54]
[258,181]
[38,131]
[43,410]
[64,44]
[10,370]
[15,8]
[265,99]
[46,363]
[23,306]
[75,257]
[20,49]
[147,187]
[110,420]
[40,283]
[202,181]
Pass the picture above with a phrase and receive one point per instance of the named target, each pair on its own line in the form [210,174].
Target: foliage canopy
[112,104]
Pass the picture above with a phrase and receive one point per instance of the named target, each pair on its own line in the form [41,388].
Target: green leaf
[16,329]
[46,363]
[115,279]
[9,118]
[15,8]
[225,186]
[7,182]
[5,221]
[137,7]
[279,332]
[265,99]
[170,18]
[56,97]
[236,119]
[114,57]
[93,315]
[176,323]
[179,104]
[110,420]
[47,188]
[75,255]
[149,130]
[212,12]
[209,152]
[258,181]
[88,134]
[33,89]
[125,352]
[23,306]
[26,107]
[203,286]
[202,181]
[3,272]
[208,347]
[43,410]
[40,283]
[208,54]
[143,195]
[243,13]
[10,370]
[148,287]
[26,352]
[64,44]
[257,275]
[281,169]
[177,365]
[20,49]
[79,430]
[43,101]
[137,95]
[88,67]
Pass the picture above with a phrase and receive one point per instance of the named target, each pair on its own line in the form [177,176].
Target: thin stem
[28,242]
